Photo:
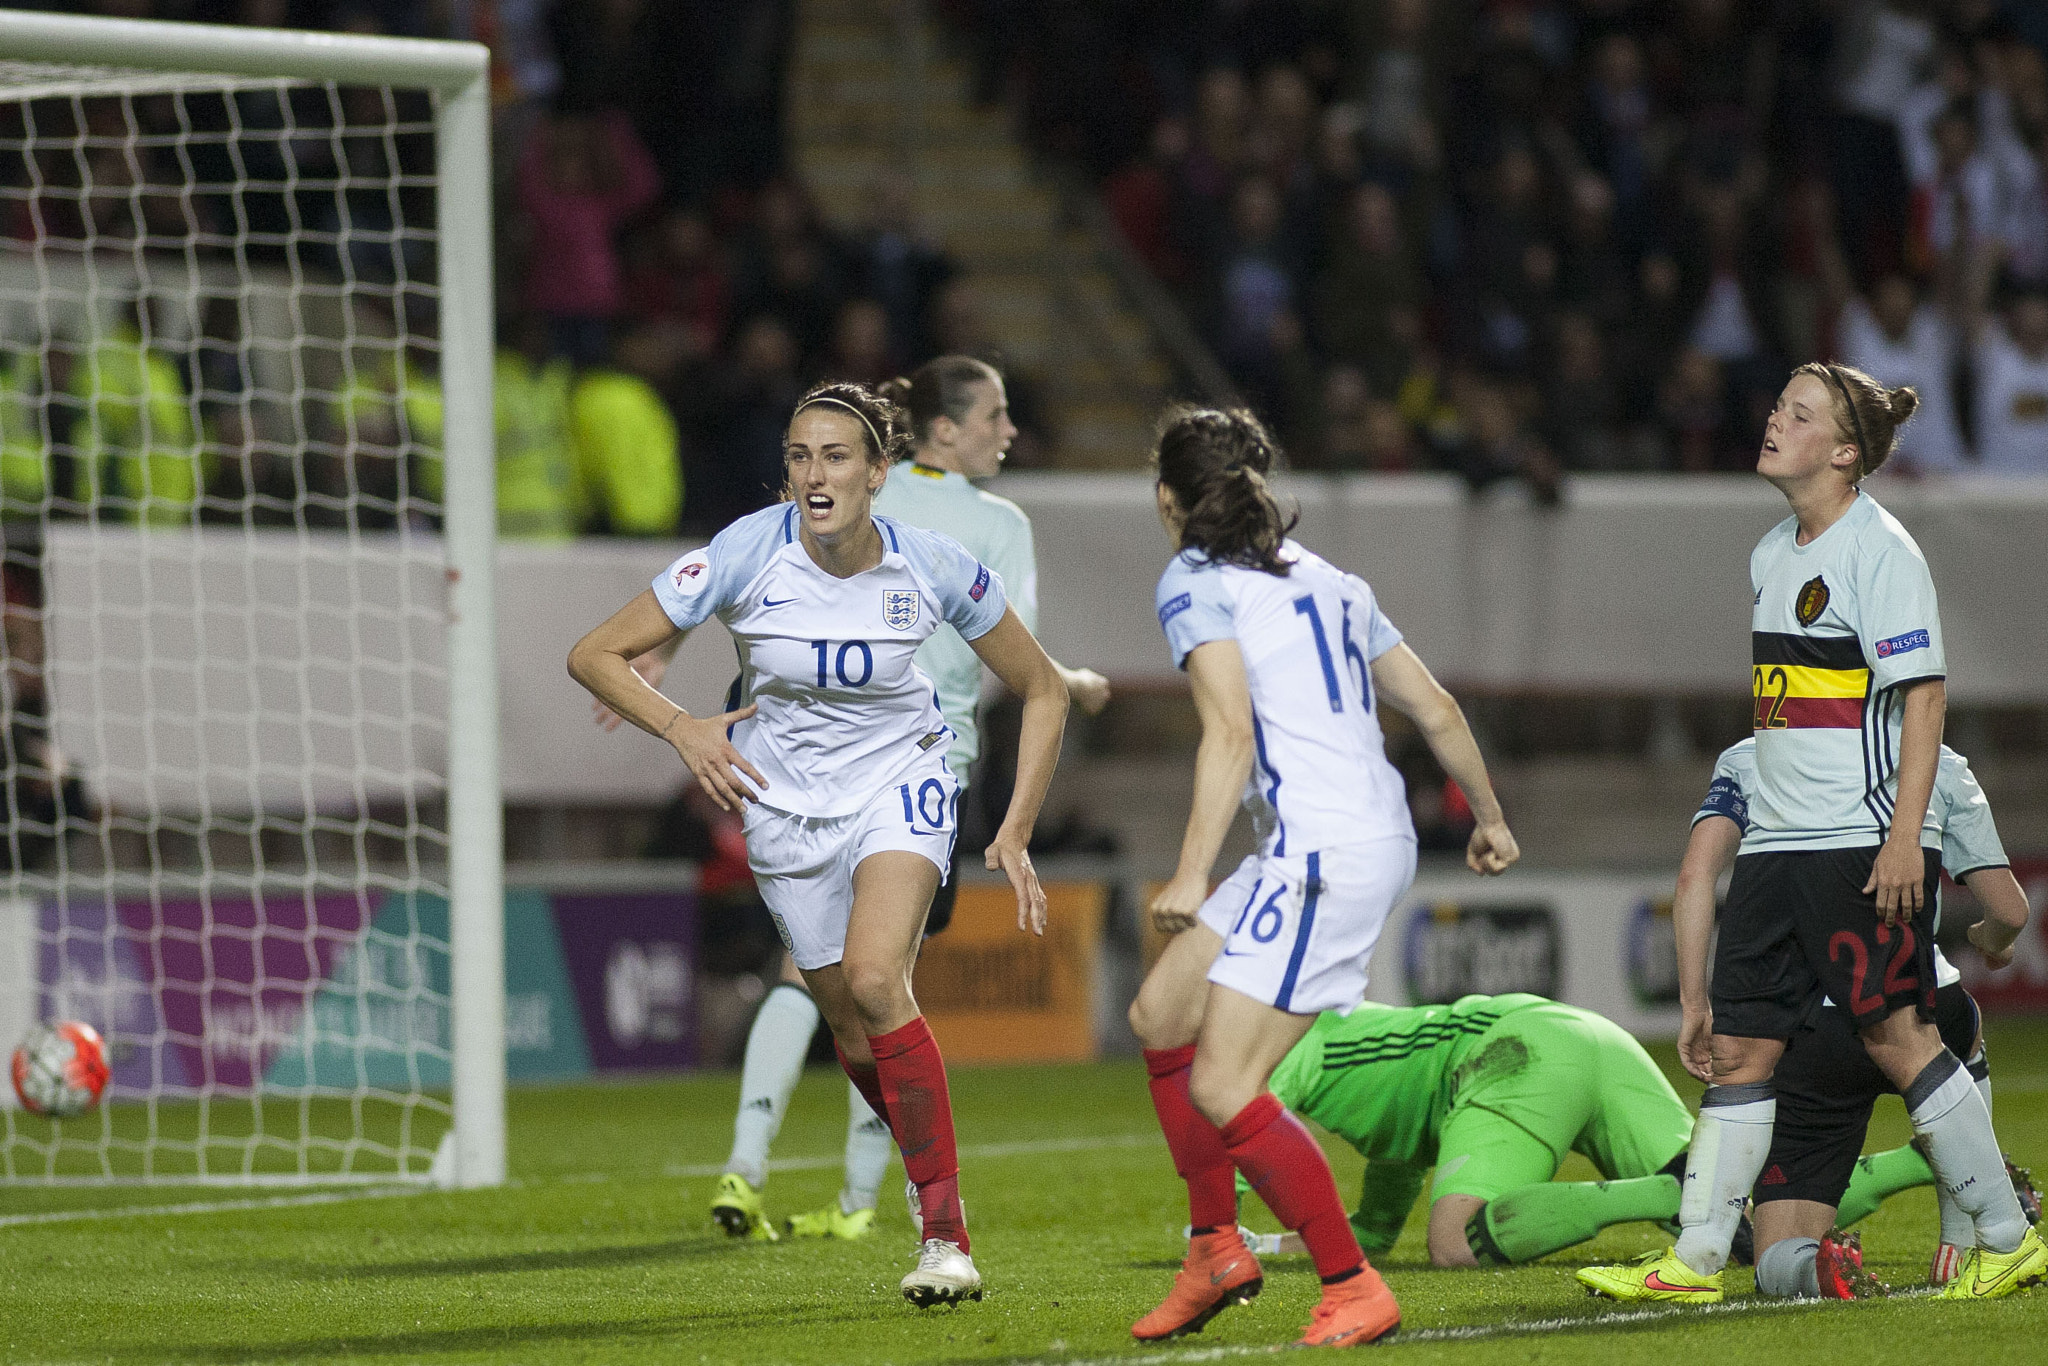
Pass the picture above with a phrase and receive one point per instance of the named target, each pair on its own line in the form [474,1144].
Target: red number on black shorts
[1859,969]
[1894,984]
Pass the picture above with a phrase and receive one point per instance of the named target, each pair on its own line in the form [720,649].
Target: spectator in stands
[1398,90]
[1620,133]
[539,494]
[1962,230]
[1692,410]
[861,349]
[677,273]
[2012,388]
[1254,285]
[740,469]
[1366,298]
[903,270]
[793,269]
[628,461]
[1219,158]
[580,178]
[1594,274]
[1497,444]
[1283,124]
[386,422]
[1580,418]
[24,454]
[1897,338]
[960,327]
[1731,318]
[1510,279]
[1143,197]
[136,448]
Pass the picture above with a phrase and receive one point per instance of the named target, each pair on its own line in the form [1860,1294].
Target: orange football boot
[1220,1271]
[1353,1313]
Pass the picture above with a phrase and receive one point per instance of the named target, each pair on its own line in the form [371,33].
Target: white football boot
[944,1275]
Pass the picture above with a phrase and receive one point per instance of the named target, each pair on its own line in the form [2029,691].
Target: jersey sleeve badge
[1812,600]
[687,575]
[900,607]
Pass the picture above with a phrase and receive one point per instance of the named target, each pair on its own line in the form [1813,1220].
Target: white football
[61,1069]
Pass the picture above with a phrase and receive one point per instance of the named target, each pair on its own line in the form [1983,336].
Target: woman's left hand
[1896,879]
[1010,854]
[1179,902]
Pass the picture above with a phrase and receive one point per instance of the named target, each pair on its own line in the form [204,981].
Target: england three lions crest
[900,607]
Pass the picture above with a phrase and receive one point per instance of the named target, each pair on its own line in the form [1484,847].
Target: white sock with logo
[777,1044]
[1951,1117]
[868,1145]
[1730,1142]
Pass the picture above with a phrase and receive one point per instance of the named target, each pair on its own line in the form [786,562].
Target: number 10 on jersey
[865,662]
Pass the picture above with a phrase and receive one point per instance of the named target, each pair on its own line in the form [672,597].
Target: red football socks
[920,1113]
[862,1075]
[1197,1147]
[1290,1173]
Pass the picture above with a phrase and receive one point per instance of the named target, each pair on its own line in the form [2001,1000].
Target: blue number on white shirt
[1306,605]
[1354,655]
[867,662]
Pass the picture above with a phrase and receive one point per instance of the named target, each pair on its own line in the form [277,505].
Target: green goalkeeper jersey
[1382,1078]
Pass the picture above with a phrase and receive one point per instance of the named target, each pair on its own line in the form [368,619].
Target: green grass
[601,1251]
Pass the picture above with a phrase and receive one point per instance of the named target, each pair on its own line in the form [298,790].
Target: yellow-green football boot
[737,1208]
[832,1222]
[1987,1275]
[1650,1277]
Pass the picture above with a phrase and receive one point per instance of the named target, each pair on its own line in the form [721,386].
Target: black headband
[1862,446]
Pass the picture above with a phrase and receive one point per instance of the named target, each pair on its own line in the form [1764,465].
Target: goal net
[244,606]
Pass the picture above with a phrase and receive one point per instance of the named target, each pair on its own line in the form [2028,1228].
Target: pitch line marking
[1561,1323]
[1019,1149]
[67,1216]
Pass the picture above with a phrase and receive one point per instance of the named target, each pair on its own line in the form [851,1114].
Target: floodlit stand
[45,53]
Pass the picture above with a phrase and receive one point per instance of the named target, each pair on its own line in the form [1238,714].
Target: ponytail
[1867,415]
[1215,464]
[942,387]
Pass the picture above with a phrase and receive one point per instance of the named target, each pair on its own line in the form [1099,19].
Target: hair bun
[1902,402]
[895,391]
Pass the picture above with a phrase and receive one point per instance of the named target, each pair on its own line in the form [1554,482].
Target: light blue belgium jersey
[1840,627]
[1322,777]
[995,531]
[1958,821]
[830,662]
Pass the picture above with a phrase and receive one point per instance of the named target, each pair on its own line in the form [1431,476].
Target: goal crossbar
[151,44]
[457,75]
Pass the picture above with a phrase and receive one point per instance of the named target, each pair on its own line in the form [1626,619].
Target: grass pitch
[602,1251]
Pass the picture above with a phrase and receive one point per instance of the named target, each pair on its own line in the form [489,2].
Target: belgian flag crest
[1812,601]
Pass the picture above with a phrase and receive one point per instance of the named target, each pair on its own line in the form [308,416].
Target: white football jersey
[843,708]
[1322,776]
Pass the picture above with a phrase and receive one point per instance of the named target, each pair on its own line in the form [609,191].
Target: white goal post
[420,580]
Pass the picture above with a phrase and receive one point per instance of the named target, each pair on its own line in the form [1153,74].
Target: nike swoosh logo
[1217,1278]
[777,602]
[1655,1282]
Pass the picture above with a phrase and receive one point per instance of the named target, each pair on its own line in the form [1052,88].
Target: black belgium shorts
[1826,1086]
[1799,926]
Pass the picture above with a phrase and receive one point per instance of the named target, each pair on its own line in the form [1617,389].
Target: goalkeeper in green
[1493,1092]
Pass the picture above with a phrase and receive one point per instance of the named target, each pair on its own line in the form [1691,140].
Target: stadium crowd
[1504,239]
[1570,234]
[665,287]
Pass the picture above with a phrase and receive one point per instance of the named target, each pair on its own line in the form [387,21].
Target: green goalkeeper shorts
[1547,1081]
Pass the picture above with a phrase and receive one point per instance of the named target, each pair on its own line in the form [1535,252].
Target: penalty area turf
[602,1250]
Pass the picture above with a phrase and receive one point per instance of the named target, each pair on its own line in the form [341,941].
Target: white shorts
[804,865]
[1298,931]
